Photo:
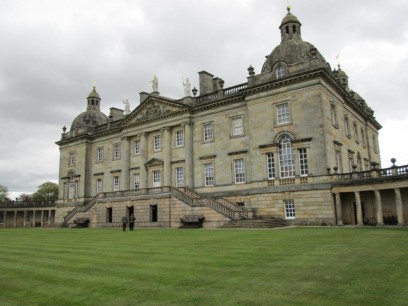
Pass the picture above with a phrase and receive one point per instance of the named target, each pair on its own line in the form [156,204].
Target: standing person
[124,222]
[132,220]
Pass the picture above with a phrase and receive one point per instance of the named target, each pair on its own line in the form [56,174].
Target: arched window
[280,71]
[286,157]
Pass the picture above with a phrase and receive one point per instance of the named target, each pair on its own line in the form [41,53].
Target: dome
[93,115]
[293,54]
[89,118]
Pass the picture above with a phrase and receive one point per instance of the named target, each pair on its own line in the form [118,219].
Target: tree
[47,191]
[3,193]
[24,197]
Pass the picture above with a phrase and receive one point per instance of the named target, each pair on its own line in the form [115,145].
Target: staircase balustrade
[184,194]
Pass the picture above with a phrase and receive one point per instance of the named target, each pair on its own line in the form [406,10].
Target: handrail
[184,194]
[221,205]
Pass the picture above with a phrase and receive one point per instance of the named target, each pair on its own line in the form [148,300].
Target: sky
[52,53]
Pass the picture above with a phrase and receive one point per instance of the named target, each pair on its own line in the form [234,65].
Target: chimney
[206,82]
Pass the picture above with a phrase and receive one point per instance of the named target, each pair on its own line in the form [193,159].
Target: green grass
[293,266]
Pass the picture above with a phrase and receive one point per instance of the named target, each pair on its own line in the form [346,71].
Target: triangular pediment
[154,162]
[153,108]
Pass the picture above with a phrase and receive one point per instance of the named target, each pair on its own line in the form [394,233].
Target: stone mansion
[294,142]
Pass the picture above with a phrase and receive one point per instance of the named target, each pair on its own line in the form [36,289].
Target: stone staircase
[185,194]
[256,223]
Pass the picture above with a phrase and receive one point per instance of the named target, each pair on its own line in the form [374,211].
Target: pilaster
[166,156]
[143,157]
[126,162]
[189,169]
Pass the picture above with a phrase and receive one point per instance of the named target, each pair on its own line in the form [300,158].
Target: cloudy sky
[52,51]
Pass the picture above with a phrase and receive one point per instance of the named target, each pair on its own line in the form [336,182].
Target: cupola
[290,27]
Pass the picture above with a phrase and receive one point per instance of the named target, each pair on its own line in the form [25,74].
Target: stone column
[49,217]
[189,168]
[378,207]
[33,221]
[143,159]
[339,210]
[25,219]
[126,162]
[398,204]
[359,211]
[42,218]
[166,156]
[15,218]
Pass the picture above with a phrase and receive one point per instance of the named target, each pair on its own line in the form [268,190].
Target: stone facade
[270,147]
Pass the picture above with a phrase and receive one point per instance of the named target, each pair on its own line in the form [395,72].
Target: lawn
[291,266]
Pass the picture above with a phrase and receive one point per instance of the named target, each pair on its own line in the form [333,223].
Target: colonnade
[27,217]
[399,208]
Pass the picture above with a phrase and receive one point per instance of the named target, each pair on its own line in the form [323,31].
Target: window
[355,132]
[2,217]
[116,151]
[179,138]
[333,114]
[180,177]
[71,159]
[71,190]
[280,71]
[289,209]
[239,170]
[156,143]
[374,144]
[270,162]
[359,163]
[283,115]
[136,147]
[156,178]
[286,157]
[347,126]
[116,183]
[209,174]
[363,141]
[208,133]
[136,180]
[99,154]
[66,190]
[241,204]
[76,189]
[99,186]
[351,161]
[237,125]
[339,162]
[304,171]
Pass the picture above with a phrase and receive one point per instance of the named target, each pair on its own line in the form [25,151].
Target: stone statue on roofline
[187,88]
[155,83]
[127,107]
